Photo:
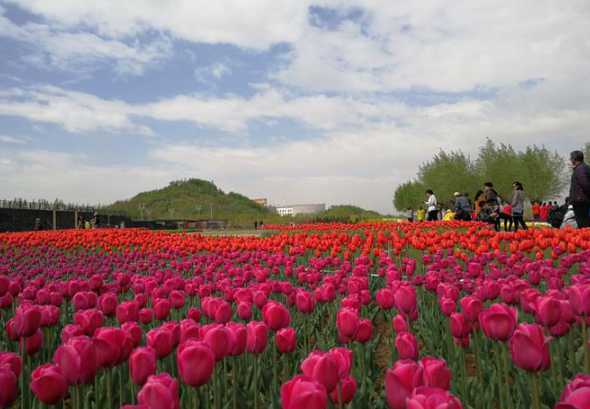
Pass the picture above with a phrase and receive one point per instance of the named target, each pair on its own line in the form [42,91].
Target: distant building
[294,210]
[262,201]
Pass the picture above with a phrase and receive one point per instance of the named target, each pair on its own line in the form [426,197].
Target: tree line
[542,172]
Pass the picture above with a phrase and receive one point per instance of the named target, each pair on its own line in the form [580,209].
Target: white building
[294,210]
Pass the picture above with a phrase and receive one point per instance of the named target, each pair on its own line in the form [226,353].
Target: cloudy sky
[334,101]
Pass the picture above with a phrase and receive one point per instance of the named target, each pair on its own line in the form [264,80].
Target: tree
[447,173]
[409,195]
[500,165]
[543,173]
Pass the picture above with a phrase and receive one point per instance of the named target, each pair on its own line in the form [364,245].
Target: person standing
[491,206]
[517,203]
[431,206]
[462,207]
[580,189]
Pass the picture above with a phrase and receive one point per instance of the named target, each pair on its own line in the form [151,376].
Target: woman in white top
[431,206]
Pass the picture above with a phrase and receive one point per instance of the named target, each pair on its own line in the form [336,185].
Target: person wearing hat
[462,207]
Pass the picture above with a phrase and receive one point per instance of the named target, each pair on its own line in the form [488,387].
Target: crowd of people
[488,206]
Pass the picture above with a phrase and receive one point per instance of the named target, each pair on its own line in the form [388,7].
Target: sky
[304,101]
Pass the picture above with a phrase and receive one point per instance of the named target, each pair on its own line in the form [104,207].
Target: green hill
[193,199]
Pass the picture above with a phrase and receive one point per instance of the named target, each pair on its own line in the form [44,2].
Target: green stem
[274,377]
[536,400]
[255,382]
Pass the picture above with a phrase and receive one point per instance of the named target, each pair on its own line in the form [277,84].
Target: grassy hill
[340,213]
[193,199]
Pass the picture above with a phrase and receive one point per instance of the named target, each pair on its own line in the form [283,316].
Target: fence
[24,219]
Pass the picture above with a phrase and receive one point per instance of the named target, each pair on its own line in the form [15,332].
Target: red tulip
[344,356]
[161,340]
[305,302]
[405,299]
[364,332]
[162,309]
[239,335]
[108,304]
[177,299]
[222,312]
[189,329]
[498,322]
[303,392]
[27,320]
[146,315]
[530,348]
[436,373]
[244,311]
[219,339]
[346,391]
[89,320]
[576,394]
[34,343]
[142,364]
[276,315]
[134,331]
[69,331]
[471,307]
[548,311]
[257,337]
[194,314]
[8,386]
[385,299]
[460,326]
[48,384]
[286,340]
[13,361]
[424,397]
[159,392]
[322,367]
[347,321]
[399,324]
[113,346]
[196,362]
[127,311]
[400,381]
[406,345]
[579,296]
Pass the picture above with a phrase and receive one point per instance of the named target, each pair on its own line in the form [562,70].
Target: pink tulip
[399,324]
[385,299]
[347,321]
[286,340]
[276,315]
[142,364]
[406,345]
[400,381]
[530,348]
[8,386]
[48,384]
[257,337]
[576,394]
[346,391]
[196,362]
[303,392]
[364,332]
[160,392]
[498,322]
[436,373]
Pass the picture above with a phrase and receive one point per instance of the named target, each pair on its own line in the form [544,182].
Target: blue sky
[298,101]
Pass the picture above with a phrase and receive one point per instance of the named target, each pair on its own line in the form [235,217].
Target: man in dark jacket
[580,189]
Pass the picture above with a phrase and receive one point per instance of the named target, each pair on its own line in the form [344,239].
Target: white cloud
[55,47]
[442,46]
[74,111]
[254,24]
[7,139]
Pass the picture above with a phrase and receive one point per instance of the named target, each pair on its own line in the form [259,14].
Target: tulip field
[366,316]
